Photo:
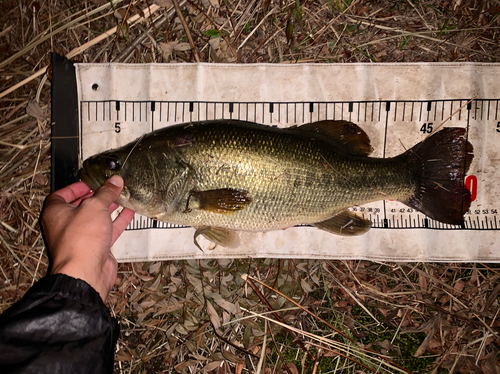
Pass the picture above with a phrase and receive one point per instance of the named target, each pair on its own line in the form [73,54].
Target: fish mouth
[88,179]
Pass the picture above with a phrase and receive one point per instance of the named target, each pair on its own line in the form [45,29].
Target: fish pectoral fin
[345,134]
[345,223]
[223,200]
[218,235]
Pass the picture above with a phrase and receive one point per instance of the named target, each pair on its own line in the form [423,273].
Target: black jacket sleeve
[61,325]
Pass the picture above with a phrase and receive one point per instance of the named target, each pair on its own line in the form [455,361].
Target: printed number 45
[427,127]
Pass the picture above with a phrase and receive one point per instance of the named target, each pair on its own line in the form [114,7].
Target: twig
[121,28]
[320,32]
[265,41]
[39,258]
[12,145]
[262,351]
[186,29]
[316,362]
[243,18]
[23,82]
[355,299]
[419,33]
[255,29]
[151,21]
[287,369]
[451,116]
[416,34]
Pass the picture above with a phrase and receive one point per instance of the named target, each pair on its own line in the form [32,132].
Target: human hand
[79,232]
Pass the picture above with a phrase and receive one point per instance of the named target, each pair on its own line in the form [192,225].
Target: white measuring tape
[113,114]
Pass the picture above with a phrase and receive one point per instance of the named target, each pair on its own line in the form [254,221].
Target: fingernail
[116,180]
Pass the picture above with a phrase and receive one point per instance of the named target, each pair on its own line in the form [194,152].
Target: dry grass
[190,316]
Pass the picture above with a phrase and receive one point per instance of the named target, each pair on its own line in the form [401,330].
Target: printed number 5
[427,127]
[498,126]
[117,127]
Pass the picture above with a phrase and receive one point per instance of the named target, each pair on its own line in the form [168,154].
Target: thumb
[109,192]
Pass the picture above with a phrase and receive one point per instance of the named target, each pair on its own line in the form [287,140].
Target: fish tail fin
[440,163]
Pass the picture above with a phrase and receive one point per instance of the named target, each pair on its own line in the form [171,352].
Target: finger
[68,194]
[121,222]
[79,201]
[113,207]
[109,192]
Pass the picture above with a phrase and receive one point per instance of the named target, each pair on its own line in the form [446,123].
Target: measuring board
[392,125]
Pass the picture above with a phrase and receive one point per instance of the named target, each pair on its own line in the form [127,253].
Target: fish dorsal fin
[345,223]
[345,134]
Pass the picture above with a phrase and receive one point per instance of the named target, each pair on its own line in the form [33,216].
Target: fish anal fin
[344,134]
[345,223]
[224,237]
[223,200]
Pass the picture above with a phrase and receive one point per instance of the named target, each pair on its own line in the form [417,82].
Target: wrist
[75,269]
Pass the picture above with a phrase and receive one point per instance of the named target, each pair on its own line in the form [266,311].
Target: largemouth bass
[224,176]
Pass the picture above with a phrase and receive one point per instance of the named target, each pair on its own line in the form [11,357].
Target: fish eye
[114,164]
